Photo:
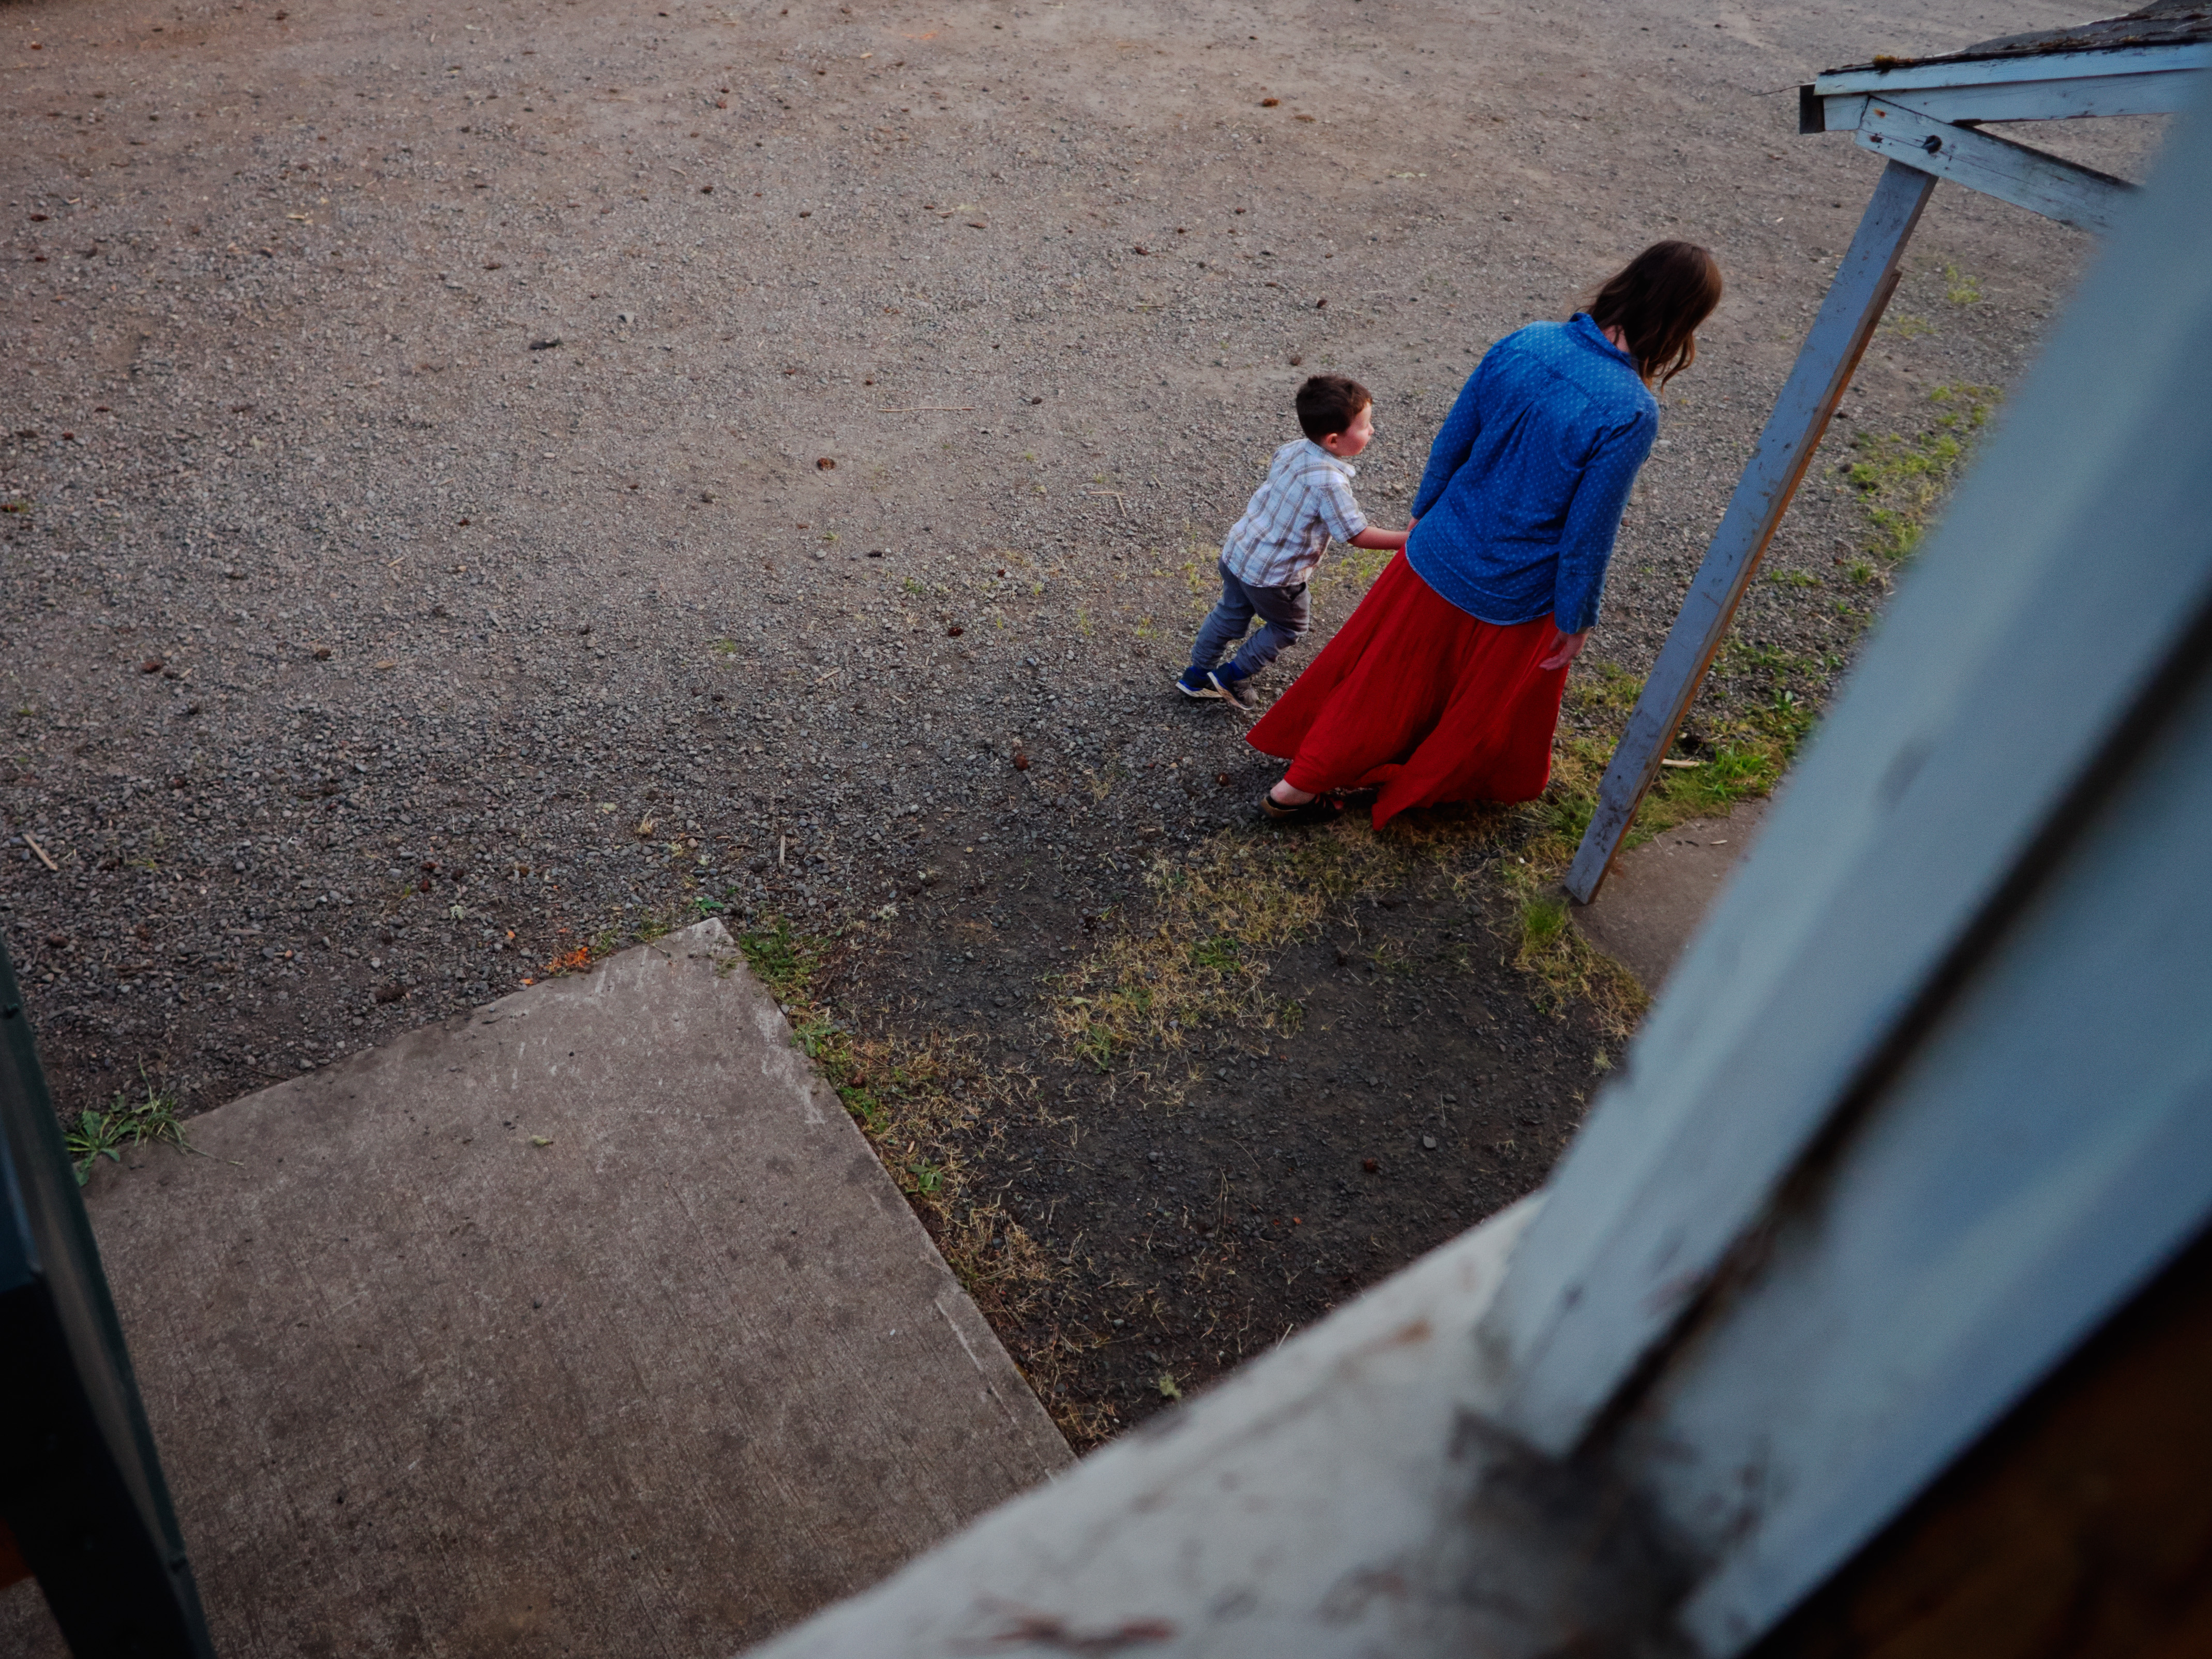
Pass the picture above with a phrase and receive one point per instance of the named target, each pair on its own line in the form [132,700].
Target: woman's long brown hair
[1657,302]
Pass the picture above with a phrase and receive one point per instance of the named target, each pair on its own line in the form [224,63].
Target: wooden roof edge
[2163,23]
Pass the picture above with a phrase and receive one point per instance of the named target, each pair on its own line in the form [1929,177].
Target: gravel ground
[483,479]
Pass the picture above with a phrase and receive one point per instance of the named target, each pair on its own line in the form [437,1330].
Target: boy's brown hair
[1327,403]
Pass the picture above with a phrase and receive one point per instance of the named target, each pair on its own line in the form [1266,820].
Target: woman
[1445,684]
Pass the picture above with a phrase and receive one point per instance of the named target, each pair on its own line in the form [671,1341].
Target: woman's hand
[1564,648]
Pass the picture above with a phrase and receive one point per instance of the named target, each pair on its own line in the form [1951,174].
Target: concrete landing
[1659,892]
[587,1324]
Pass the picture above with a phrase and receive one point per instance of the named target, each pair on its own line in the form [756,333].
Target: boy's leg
[1223,625]
[1285,615]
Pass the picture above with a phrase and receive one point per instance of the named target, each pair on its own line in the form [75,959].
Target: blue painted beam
[1865,282]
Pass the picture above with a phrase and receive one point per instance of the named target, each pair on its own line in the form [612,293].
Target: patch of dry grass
[1219,917]
[1205,951]
[1357,566]
[926,1106]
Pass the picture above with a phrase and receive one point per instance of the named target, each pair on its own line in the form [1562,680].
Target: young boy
[1305,499]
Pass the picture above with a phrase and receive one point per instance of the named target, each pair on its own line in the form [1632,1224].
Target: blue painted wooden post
[1831,354]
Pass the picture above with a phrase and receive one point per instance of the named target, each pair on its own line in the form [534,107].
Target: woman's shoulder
[1605,373]
[1564,349]
[1541,339]
[1516,362]
[1560,355]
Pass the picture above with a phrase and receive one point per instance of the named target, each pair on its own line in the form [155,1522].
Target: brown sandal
[1320,810]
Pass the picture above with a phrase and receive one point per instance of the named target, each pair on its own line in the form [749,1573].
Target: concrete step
[1658,893]
[585,1324]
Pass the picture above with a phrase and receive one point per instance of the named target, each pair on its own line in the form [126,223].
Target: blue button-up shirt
[1527,482]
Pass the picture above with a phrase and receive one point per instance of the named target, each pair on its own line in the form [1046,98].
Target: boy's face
[1355,437]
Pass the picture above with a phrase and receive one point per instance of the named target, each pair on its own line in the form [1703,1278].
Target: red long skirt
[1415,697]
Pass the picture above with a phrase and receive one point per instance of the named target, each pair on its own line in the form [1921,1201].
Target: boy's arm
[1340,514]
[1336,510]
[1341,517]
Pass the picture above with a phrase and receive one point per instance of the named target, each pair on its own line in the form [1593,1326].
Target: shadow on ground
[1280,1074]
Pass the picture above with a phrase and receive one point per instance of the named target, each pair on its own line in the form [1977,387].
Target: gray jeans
[1282,612]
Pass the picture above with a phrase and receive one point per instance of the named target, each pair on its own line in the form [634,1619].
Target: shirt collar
[1337,461]
[1585,327]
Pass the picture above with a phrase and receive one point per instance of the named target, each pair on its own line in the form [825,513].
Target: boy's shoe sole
[1226,691]
[1207,692]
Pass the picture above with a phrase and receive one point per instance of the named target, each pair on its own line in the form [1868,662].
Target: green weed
[1199,583]
[97,1134]
[1602,687]
[1554,953]
[780,960]
[1544,922]
[1902,478]
[1220,953]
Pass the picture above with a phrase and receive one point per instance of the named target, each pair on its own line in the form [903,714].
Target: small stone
[1428,1143]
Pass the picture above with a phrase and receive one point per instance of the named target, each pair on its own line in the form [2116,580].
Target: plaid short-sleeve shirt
[1305,499]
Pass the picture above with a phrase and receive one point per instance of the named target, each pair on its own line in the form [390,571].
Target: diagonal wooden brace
[1865,282]
[2057,189]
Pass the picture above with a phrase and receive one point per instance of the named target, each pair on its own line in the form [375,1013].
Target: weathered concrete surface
[1659,892]
[1342,1495]
[661,1385]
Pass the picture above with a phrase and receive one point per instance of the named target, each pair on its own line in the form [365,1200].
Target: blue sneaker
[1197,684]
[1227,684]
